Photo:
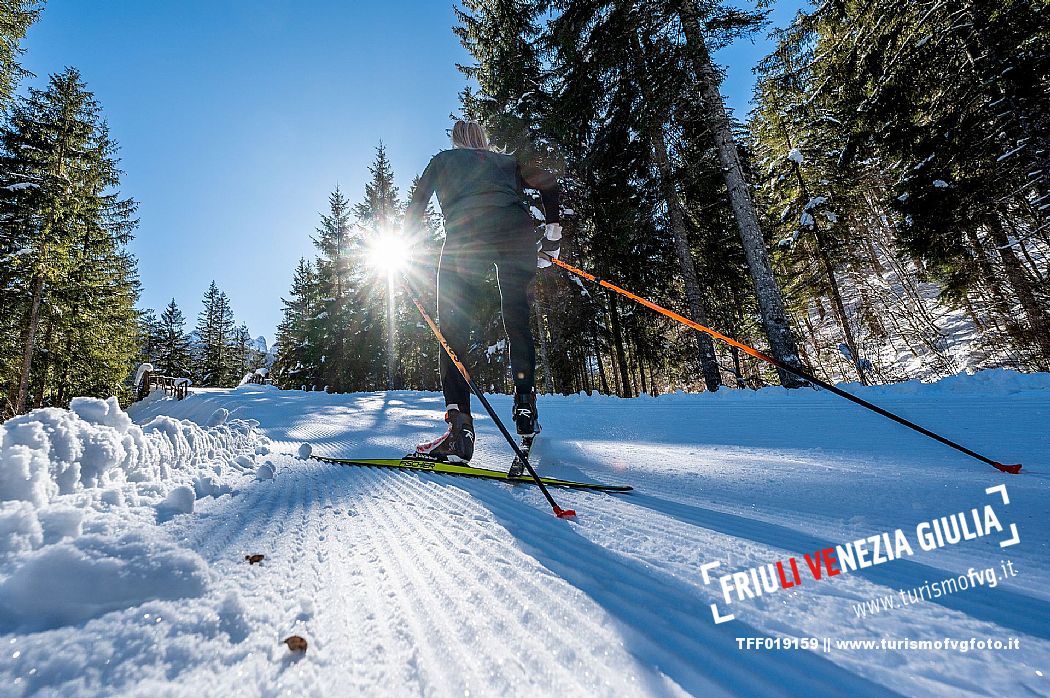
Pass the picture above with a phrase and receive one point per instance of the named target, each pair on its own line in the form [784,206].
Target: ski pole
[558,511]
[1012,469]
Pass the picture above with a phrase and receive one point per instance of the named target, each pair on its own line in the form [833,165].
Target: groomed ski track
[416,584]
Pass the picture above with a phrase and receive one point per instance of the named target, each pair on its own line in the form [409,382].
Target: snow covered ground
[122,547]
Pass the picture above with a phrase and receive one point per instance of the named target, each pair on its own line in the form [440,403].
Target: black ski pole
[1012,469]
[558,511]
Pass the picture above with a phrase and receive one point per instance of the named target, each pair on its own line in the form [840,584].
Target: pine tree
[63,228]
[174,357]
[215,331]
[381,209]
[505,40]
[770,300]
[337,279]
[241,355]
[378,214]
[149,336]
[16,16]
[917,127]
[297,361]
[798,147]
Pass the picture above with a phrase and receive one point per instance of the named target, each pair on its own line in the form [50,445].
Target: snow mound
[20,529]
[52,452]
[101,412]
[179,501]
[75,581]
[305,451]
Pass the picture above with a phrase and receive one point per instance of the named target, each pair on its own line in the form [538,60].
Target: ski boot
[525,415]
[525,419]
[457,444]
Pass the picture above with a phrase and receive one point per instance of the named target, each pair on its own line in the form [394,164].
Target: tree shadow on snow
[996,605]
[664,623]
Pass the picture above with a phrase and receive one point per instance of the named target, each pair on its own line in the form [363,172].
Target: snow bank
[82,492]
[75,581]
[94,444]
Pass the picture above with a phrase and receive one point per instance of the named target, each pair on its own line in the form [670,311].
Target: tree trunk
[1028,257]
[836,299]
[735,351]
[639,357]
[603,380]
[27,354]
[1022,288]
[626,389]
[694,297]
[770,301]
[48,336]
[972,313]
[999,303]
[67,360]
[541,330]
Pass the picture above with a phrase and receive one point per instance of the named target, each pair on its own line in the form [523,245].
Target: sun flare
[388,251]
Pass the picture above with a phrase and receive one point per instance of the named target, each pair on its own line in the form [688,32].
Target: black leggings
[466,258]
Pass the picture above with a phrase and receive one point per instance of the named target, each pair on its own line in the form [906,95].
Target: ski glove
[550,243]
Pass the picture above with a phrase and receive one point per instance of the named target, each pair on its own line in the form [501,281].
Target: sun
[388,251]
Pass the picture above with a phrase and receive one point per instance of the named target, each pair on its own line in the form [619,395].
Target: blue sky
[236,118]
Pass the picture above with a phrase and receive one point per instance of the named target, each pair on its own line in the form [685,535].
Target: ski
[436,466]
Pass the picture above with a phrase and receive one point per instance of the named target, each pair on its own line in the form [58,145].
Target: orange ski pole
[558,511]
[1012,469]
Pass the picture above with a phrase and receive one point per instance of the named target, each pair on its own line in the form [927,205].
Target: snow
[84,497]
[1010,153]
[218,417]
[122,558]
[179,501]
[141,371]
[499,346]
[74,581]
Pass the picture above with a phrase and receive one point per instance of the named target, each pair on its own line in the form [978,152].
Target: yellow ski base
[434,466]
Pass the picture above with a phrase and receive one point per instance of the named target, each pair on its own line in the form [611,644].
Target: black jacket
[466,180]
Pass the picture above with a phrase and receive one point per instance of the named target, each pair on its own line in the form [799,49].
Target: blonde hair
[470,134]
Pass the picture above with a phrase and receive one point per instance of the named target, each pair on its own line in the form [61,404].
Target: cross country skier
[481,192]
